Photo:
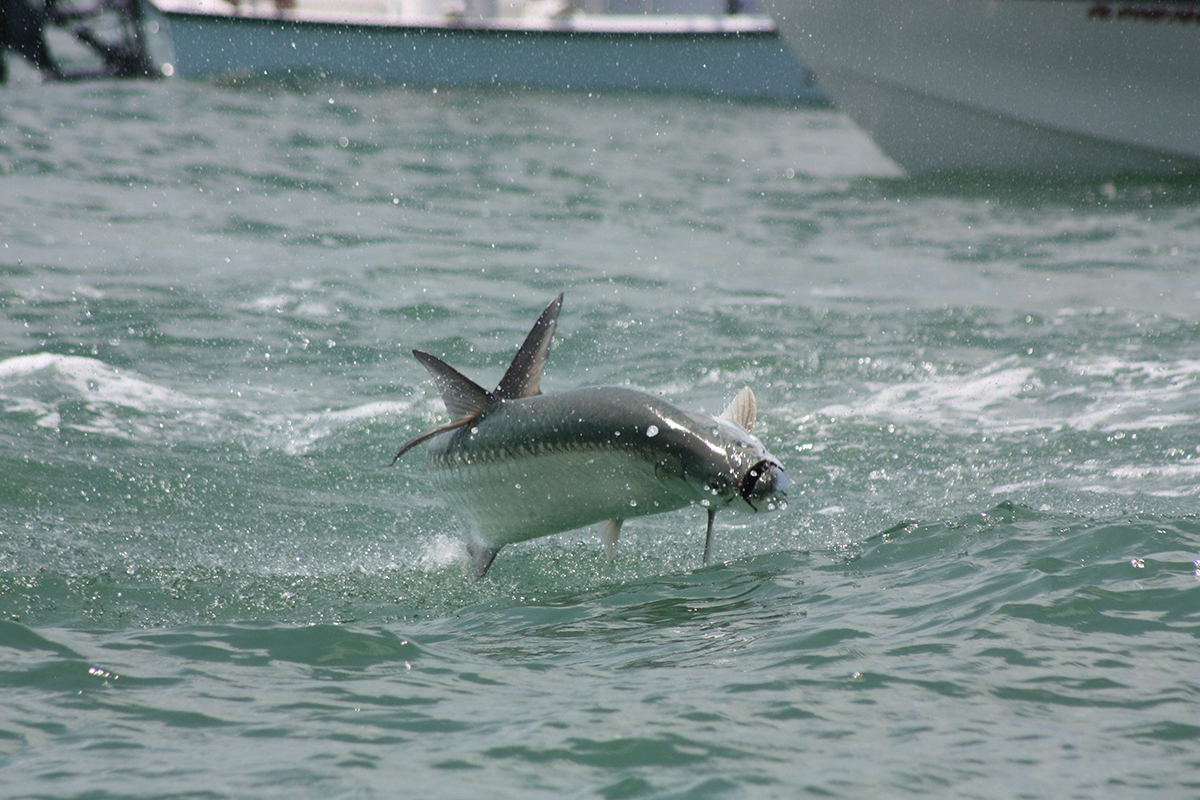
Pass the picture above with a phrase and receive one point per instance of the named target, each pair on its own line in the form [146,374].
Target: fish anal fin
[464,398]
[742,409]
[524,375]
[481,557]
[610,530]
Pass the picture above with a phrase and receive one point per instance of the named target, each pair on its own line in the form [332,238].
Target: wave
[65,392]
[1013,396]
[86,394]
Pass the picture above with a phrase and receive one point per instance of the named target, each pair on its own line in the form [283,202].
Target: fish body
[520,464]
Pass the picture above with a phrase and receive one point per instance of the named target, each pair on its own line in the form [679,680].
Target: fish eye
[750,482]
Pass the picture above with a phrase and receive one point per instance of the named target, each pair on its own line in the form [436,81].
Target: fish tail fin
[524,375]
[464,398]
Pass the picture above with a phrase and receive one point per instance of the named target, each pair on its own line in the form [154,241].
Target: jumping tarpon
[522,464]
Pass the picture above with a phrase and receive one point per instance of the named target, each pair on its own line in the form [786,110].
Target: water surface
[985,393]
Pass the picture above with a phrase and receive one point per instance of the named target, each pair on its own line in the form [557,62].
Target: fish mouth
[765,485]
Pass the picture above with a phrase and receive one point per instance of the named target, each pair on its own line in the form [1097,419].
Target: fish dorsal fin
[464,398]
[524,375]
[742,409]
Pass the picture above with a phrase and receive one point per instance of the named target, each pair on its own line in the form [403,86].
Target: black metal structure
[112,32]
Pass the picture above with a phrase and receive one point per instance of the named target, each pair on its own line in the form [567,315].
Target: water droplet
[652,431]
[1137,563]
[706,502]
[633,503]
[517,485]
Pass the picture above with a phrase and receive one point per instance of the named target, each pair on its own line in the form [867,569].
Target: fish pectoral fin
[742,409]
[524,375]
[464,398]
[429,434]
[481,557]
[708,536]
[610,529]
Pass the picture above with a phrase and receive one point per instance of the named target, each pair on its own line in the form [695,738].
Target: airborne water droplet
[652,431]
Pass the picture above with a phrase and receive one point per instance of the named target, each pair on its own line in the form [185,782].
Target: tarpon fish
[522,464]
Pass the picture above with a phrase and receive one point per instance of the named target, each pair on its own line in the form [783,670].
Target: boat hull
[1039,87]
[747,64]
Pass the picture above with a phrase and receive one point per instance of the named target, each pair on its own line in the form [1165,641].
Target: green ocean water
[986,393]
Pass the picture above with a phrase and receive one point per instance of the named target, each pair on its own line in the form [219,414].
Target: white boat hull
[1041,87]
[727,57]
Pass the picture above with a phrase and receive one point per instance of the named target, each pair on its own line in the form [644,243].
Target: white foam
[288,304]
[442,551]
[313,309]
[120,403]
[269,303]
[987,397]
[1161,480]
[1009,396]
[303,433]
[1138,395]
[40,383]
[91,377]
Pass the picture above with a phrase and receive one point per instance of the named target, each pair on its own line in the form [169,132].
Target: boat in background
[542,43]
[1035,87]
